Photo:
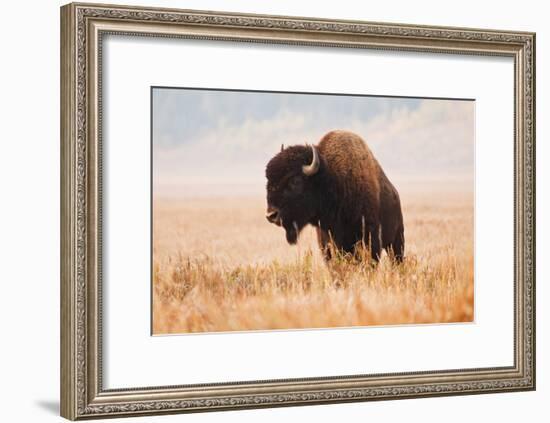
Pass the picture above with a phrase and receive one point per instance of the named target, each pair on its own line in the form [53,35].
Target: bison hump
[350,160]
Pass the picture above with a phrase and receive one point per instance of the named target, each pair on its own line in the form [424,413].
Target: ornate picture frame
[82,28]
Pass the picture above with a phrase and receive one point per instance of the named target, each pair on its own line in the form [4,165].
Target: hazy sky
[221,138]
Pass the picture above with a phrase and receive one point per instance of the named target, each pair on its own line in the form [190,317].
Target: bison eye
[296,183]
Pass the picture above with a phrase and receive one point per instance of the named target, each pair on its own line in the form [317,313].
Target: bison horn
[282,147]
[312,168]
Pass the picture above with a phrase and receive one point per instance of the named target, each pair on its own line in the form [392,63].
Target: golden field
[218,265]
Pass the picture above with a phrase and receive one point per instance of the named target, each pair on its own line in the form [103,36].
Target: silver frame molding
[82,28]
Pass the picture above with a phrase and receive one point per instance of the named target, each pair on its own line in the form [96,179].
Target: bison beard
[292,232]
[338,187]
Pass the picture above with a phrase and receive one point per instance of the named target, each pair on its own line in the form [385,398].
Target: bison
[339,188]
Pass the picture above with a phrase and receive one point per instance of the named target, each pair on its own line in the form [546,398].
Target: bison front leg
[323,238]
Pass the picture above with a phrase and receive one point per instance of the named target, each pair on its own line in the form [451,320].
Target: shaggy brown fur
[349,199]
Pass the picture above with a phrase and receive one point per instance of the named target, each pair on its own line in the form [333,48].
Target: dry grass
[219,266]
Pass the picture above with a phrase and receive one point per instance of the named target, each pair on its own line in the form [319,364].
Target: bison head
[292,189]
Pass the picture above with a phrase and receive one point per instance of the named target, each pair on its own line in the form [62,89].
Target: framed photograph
[263,211]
